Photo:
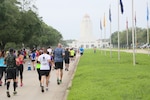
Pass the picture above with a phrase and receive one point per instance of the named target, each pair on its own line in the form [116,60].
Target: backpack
[11,61]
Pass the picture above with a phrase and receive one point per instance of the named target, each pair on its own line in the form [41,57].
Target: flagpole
[148,27]
[105,32]
[118,35]
[133,33]
[110,31]
[101,35]
[102,40]
[148,35]
[127,34]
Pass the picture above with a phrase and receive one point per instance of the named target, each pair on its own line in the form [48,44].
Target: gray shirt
[58,54]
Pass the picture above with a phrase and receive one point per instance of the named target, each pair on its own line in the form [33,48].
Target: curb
[72,76]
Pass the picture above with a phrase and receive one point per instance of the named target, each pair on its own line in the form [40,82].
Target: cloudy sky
[66,15]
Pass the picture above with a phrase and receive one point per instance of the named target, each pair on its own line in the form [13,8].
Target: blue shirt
[81,50]
[2,62]
[58,55]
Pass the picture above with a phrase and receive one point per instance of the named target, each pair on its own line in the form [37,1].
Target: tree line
[21,26]
[141,38]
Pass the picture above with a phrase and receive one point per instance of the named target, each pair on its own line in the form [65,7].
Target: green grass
[99,77]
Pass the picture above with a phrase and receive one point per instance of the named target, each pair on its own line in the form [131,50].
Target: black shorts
[11,73]
[33,60]
[67,61]
[71,56]
[81,53]
[58,65]
[44,72]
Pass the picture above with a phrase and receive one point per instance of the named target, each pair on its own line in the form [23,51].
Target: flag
[100,25]
[121,5]
[147,13]
[104,24]
[110,14]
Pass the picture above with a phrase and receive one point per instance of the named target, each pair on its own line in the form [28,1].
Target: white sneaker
[46,88]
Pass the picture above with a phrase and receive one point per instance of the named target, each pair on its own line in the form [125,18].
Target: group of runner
[45,59]
[11,67]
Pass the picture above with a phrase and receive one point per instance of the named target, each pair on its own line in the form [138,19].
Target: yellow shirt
[72,52]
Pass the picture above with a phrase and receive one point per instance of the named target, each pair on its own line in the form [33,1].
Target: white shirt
[44,60]
[49,50]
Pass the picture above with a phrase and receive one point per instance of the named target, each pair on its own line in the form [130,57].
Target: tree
[8,18]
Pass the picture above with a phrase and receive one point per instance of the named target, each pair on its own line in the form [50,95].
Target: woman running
[2,67]
[20,67]
[38,65]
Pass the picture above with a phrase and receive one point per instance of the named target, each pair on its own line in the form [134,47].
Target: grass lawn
[99,77]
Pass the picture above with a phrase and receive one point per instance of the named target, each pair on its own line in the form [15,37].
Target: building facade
[87,39]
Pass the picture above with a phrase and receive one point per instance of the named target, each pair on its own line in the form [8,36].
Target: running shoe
[58,82]
[46,88]
[21,84]
[42,89]
[15,92]
[8,94]
[65,69]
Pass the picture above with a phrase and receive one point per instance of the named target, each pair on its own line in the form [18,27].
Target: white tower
[86,29]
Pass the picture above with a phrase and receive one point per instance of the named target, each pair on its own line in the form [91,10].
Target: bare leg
[61,74]
[42,82]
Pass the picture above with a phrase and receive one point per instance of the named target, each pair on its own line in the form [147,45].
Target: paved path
[144,51]
[32,91]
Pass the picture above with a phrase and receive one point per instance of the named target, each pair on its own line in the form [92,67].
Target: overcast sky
[66,15]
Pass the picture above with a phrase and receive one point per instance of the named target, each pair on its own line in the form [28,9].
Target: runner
[67,60]
[20,67]
[11,71]
[33,58]
[58,58]
[49,50]
[81,51]
[72,54]
[45,68]
[2,67]
[24,53]
[38,65]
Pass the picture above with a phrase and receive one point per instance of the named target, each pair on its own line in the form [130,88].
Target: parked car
[144,46]
[148,46]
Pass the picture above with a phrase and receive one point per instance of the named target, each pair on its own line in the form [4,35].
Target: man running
[67,60]
[58,58]
[33,58]
[11,71]
[45,68]
[81,51]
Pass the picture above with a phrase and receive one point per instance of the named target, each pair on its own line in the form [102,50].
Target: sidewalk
[32,91]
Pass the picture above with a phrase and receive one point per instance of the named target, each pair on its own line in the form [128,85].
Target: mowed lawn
[100,77]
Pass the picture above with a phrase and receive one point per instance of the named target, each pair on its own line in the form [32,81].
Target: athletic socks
[15,85]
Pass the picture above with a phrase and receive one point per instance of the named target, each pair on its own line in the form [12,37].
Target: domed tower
[86,29]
